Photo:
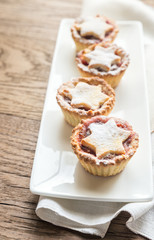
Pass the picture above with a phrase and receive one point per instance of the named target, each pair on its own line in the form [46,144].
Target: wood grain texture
[28,31]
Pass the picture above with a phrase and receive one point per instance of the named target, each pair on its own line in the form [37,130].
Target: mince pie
[104,145]
[83,98]
[93,30]
[104,60]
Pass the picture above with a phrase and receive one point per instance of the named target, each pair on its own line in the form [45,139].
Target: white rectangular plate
[56,170]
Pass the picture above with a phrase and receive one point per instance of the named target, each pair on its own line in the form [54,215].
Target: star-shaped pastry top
[87,96]
[94,26]
[102,57]
[106,138]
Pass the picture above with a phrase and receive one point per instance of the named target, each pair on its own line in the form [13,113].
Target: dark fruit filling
[84,62]
[91,37]
[108,22]
[67,100]
[108,33]
[88,150]
[100,69]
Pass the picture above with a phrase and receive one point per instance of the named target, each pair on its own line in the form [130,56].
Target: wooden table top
[28,31]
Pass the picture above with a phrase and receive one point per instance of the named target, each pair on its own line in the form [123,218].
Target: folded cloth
[88,216]
[93,218]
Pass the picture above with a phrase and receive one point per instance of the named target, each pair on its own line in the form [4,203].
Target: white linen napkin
[88,216]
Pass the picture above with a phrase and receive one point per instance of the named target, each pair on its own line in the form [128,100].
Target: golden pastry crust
[83,42]
[112,77]
[110,164]
[74,115]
